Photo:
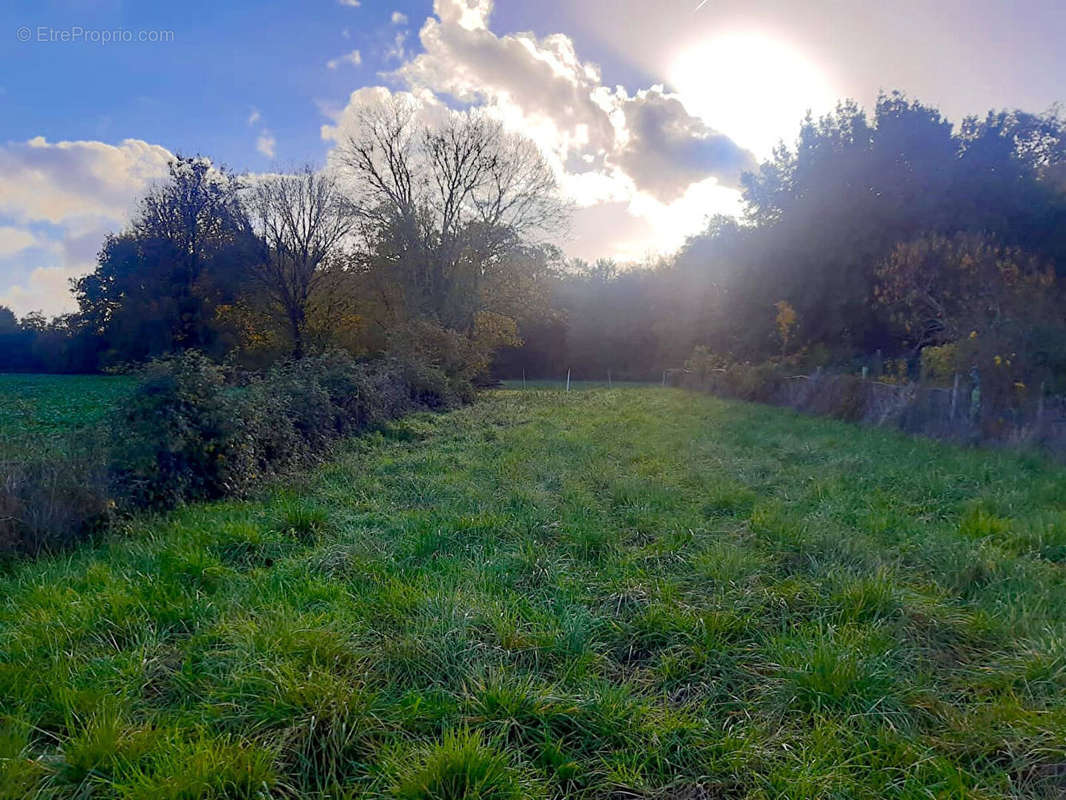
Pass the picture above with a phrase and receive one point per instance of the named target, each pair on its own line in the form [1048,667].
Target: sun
[752,87]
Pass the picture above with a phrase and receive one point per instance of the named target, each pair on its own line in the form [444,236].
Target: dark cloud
[669,149]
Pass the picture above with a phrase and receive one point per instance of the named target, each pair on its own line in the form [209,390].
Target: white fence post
[568,379]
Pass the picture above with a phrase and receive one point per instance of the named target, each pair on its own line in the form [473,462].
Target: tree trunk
[296,322]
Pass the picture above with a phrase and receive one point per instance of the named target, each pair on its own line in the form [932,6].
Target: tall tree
[442,205]
[303,223]
[157,284]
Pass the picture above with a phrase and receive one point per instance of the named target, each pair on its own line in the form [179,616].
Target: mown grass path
[627,593]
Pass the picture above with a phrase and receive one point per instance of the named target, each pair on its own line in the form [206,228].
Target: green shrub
[181,436]
[194,430]
[721,375]
[191,431]
[429,386]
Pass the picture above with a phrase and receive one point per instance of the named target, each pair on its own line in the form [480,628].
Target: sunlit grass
[629,593]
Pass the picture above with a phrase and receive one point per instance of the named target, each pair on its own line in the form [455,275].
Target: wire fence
[960,411]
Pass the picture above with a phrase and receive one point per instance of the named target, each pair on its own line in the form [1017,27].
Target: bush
[430,387]
[192,432]
[462,357]
[181,436]
[720,375]
[196,430]
[46,502]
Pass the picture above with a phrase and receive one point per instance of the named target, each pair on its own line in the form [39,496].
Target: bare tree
[440,204]
[303,222]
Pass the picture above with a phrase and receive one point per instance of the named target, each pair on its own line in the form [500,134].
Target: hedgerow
[194,429]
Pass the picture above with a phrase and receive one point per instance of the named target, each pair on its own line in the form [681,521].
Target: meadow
[41,410]
[627,593]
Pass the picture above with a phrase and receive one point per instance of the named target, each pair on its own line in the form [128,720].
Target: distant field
[575,385]
[605,594]
[37,409]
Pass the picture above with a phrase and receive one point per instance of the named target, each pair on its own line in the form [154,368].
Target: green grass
[575,385]
[631,593]
[39,410]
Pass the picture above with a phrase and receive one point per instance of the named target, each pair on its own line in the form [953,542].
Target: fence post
[523,379]
[664,378]
[608,379]
[954,396]
[1040,406]
[568,379]
[975,396]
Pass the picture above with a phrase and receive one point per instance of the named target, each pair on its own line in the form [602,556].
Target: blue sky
[195,93]
[647,109]
[227,59]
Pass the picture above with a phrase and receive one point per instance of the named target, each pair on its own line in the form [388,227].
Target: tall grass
[602,594]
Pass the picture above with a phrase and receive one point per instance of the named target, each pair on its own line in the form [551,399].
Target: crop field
[36,410]
[627,593]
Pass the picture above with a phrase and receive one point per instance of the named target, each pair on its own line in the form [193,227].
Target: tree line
[885,237]
[888,236]
[420,240]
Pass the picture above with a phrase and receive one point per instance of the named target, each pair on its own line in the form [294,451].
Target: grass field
[37,410]
[575,385]
[610,594]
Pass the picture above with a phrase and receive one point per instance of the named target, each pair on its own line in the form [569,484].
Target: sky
[648,110]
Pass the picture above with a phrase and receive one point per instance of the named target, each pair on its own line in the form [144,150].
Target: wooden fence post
[568,379]
[954,396]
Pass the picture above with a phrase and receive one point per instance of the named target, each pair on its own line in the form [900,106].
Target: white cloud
[265,144]
[429,109]
[58,200]
[46,289]
[57,182]
[399,18]
[354,58]
[397,51]
[254,117]
[349,3]
[642,171]
[14,240]
[468,14]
